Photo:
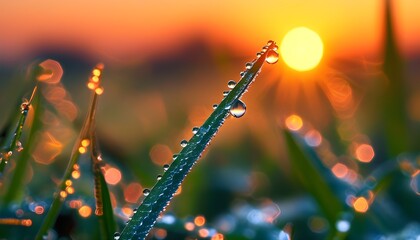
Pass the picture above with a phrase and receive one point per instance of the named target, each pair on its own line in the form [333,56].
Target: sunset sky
[134,29]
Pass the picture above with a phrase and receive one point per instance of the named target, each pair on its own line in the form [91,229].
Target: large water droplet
[272,57]
[117,235]
[165,167]
[248,65]
[146,192]
[238,109]
[214,106]
[195,130]
[184,143]
[231,84]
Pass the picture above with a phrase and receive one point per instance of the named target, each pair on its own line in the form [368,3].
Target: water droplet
[134,210]
[248,65]
[242,73]
[270,42]
[174,156]
[146,192]
[238,109]
[258,54]
[165,167]
[272,57]
[225,93]
[195,130]
[214,106]
[117,235]
[231,84]
[184,143]
[159,177]
[275,47]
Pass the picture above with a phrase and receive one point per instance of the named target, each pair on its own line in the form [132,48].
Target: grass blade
[145,217]
[315,183]
[14,143]
[103,200]
[15,188]
[61,194]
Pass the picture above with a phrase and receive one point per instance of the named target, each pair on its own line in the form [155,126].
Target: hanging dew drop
[258,54]
[165,167]
[231,84]
[225,93]
[184,143]
[159,177]
[272,57]
[117,235]
[146,192]
[242,73]
[174,156]
[195,130]
[238,109]
[214,106]
[248,65]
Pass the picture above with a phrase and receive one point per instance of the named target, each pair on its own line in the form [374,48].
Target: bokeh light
[364,153]
[85,211]
[112,176]
[294,122]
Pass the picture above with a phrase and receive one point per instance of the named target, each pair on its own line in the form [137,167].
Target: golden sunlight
[302,49]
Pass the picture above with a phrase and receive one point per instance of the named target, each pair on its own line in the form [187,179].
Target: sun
[302,49]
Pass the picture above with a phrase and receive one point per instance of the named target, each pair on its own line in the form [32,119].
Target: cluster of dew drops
[237,110]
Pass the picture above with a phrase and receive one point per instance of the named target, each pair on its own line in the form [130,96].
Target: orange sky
[133,28]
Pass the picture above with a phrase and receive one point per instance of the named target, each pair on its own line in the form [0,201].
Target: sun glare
[302,49]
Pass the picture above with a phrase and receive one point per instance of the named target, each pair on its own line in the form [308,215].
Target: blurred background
[166,64]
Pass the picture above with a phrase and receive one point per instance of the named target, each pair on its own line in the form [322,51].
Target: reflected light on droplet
[112,176]
[364,153]
[294,122]
[199,221]
[82,150]
[133,192]
[340,170]
[75,174]
[361,205]
[313,138]
[160,154]
[85,211]
[85,142]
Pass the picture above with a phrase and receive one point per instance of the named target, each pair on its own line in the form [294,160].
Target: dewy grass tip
[160,195]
